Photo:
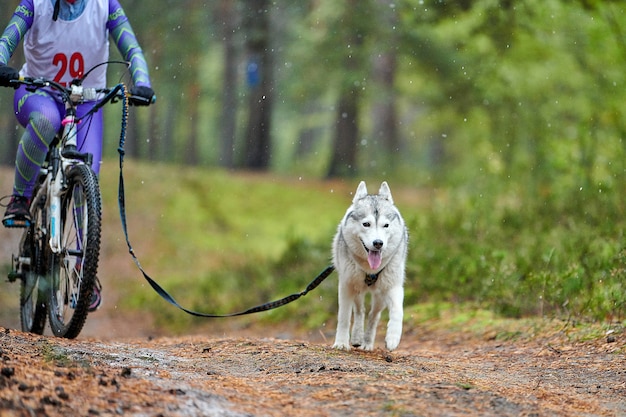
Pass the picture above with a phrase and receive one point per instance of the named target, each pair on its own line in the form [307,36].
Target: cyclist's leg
[89,137]
[39,113]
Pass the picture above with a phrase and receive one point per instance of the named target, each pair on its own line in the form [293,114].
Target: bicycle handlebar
[86,94]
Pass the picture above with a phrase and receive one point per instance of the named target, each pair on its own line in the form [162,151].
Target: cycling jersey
[63,50]
[72,51]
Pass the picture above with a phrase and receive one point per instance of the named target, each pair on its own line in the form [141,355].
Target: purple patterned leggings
[40,112]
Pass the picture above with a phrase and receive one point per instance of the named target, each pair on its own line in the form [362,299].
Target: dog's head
[373,227]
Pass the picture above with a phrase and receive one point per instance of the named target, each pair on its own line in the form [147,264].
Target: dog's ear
[385,192]
[361,192]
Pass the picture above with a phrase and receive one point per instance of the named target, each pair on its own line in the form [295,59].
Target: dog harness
[370,279]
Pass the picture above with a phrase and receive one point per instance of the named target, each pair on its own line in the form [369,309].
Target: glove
[144,96]
[7,74]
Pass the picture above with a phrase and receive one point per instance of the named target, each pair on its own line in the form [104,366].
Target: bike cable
[159,290]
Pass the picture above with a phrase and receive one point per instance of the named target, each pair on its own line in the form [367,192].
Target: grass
[221,215]
[223,241]
[220,241]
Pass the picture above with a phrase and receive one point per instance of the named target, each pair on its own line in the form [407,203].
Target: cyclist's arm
[126,42]
[19,24]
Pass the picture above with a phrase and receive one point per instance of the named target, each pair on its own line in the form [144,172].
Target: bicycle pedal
[14,276]
[14,224]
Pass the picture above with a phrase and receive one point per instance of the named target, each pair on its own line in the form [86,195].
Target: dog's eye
[366,224]
[386,225]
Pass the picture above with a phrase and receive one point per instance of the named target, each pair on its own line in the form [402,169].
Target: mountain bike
[58,254]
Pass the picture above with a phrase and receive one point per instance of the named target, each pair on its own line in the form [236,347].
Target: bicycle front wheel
[73,269]
[32,289]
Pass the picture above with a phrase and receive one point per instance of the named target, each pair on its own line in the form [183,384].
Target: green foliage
[521,257]
[219,241]
[505,251]
[511,117]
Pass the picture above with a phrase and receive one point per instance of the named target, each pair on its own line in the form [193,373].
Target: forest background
[505,119]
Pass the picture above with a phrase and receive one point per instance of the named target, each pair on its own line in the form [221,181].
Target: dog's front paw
[368,346]
[392,342]
[341,346]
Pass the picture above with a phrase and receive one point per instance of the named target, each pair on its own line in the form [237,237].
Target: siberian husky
[369,254]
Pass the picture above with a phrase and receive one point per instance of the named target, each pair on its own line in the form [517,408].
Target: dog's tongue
[374,259]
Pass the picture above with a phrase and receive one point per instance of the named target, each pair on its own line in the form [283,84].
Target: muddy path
[433,373]
[120,366]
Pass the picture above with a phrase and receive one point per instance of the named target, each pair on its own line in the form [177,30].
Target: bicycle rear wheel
[73,270]
[32,287]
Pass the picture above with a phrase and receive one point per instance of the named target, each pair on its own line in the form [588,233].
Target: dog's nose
[378,244]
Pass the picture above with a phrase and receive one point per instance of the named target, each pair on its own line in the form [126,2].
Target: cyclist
[61,40]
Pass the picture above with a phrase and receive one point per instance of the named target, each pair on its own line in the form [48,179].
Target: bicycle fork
[55,188]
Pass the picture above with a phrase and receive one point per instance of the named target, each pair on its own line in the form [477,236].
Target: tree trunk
[168,142]
[259,80]
[344,157]
[228,119]
[192,150]
[384,117]
[131,146]
[344,154]
[153,134]
[11,137]
[385,135]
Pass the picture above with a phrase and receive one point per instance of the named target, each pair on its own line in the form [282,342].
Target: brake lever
[142,100]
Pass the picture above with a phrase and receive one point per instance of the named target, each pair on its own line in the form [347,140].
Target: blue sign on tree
[253,75]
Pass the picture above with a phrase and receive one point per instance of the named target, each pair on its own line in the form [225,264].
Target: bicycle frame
[58,257]
[55,183]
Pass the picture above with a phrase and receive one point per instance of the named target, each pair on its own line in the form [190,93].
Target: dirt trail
[115,368]
[433,373]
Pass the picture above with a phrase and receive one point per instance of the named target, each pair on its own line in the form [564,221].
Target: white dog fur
[370,246]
